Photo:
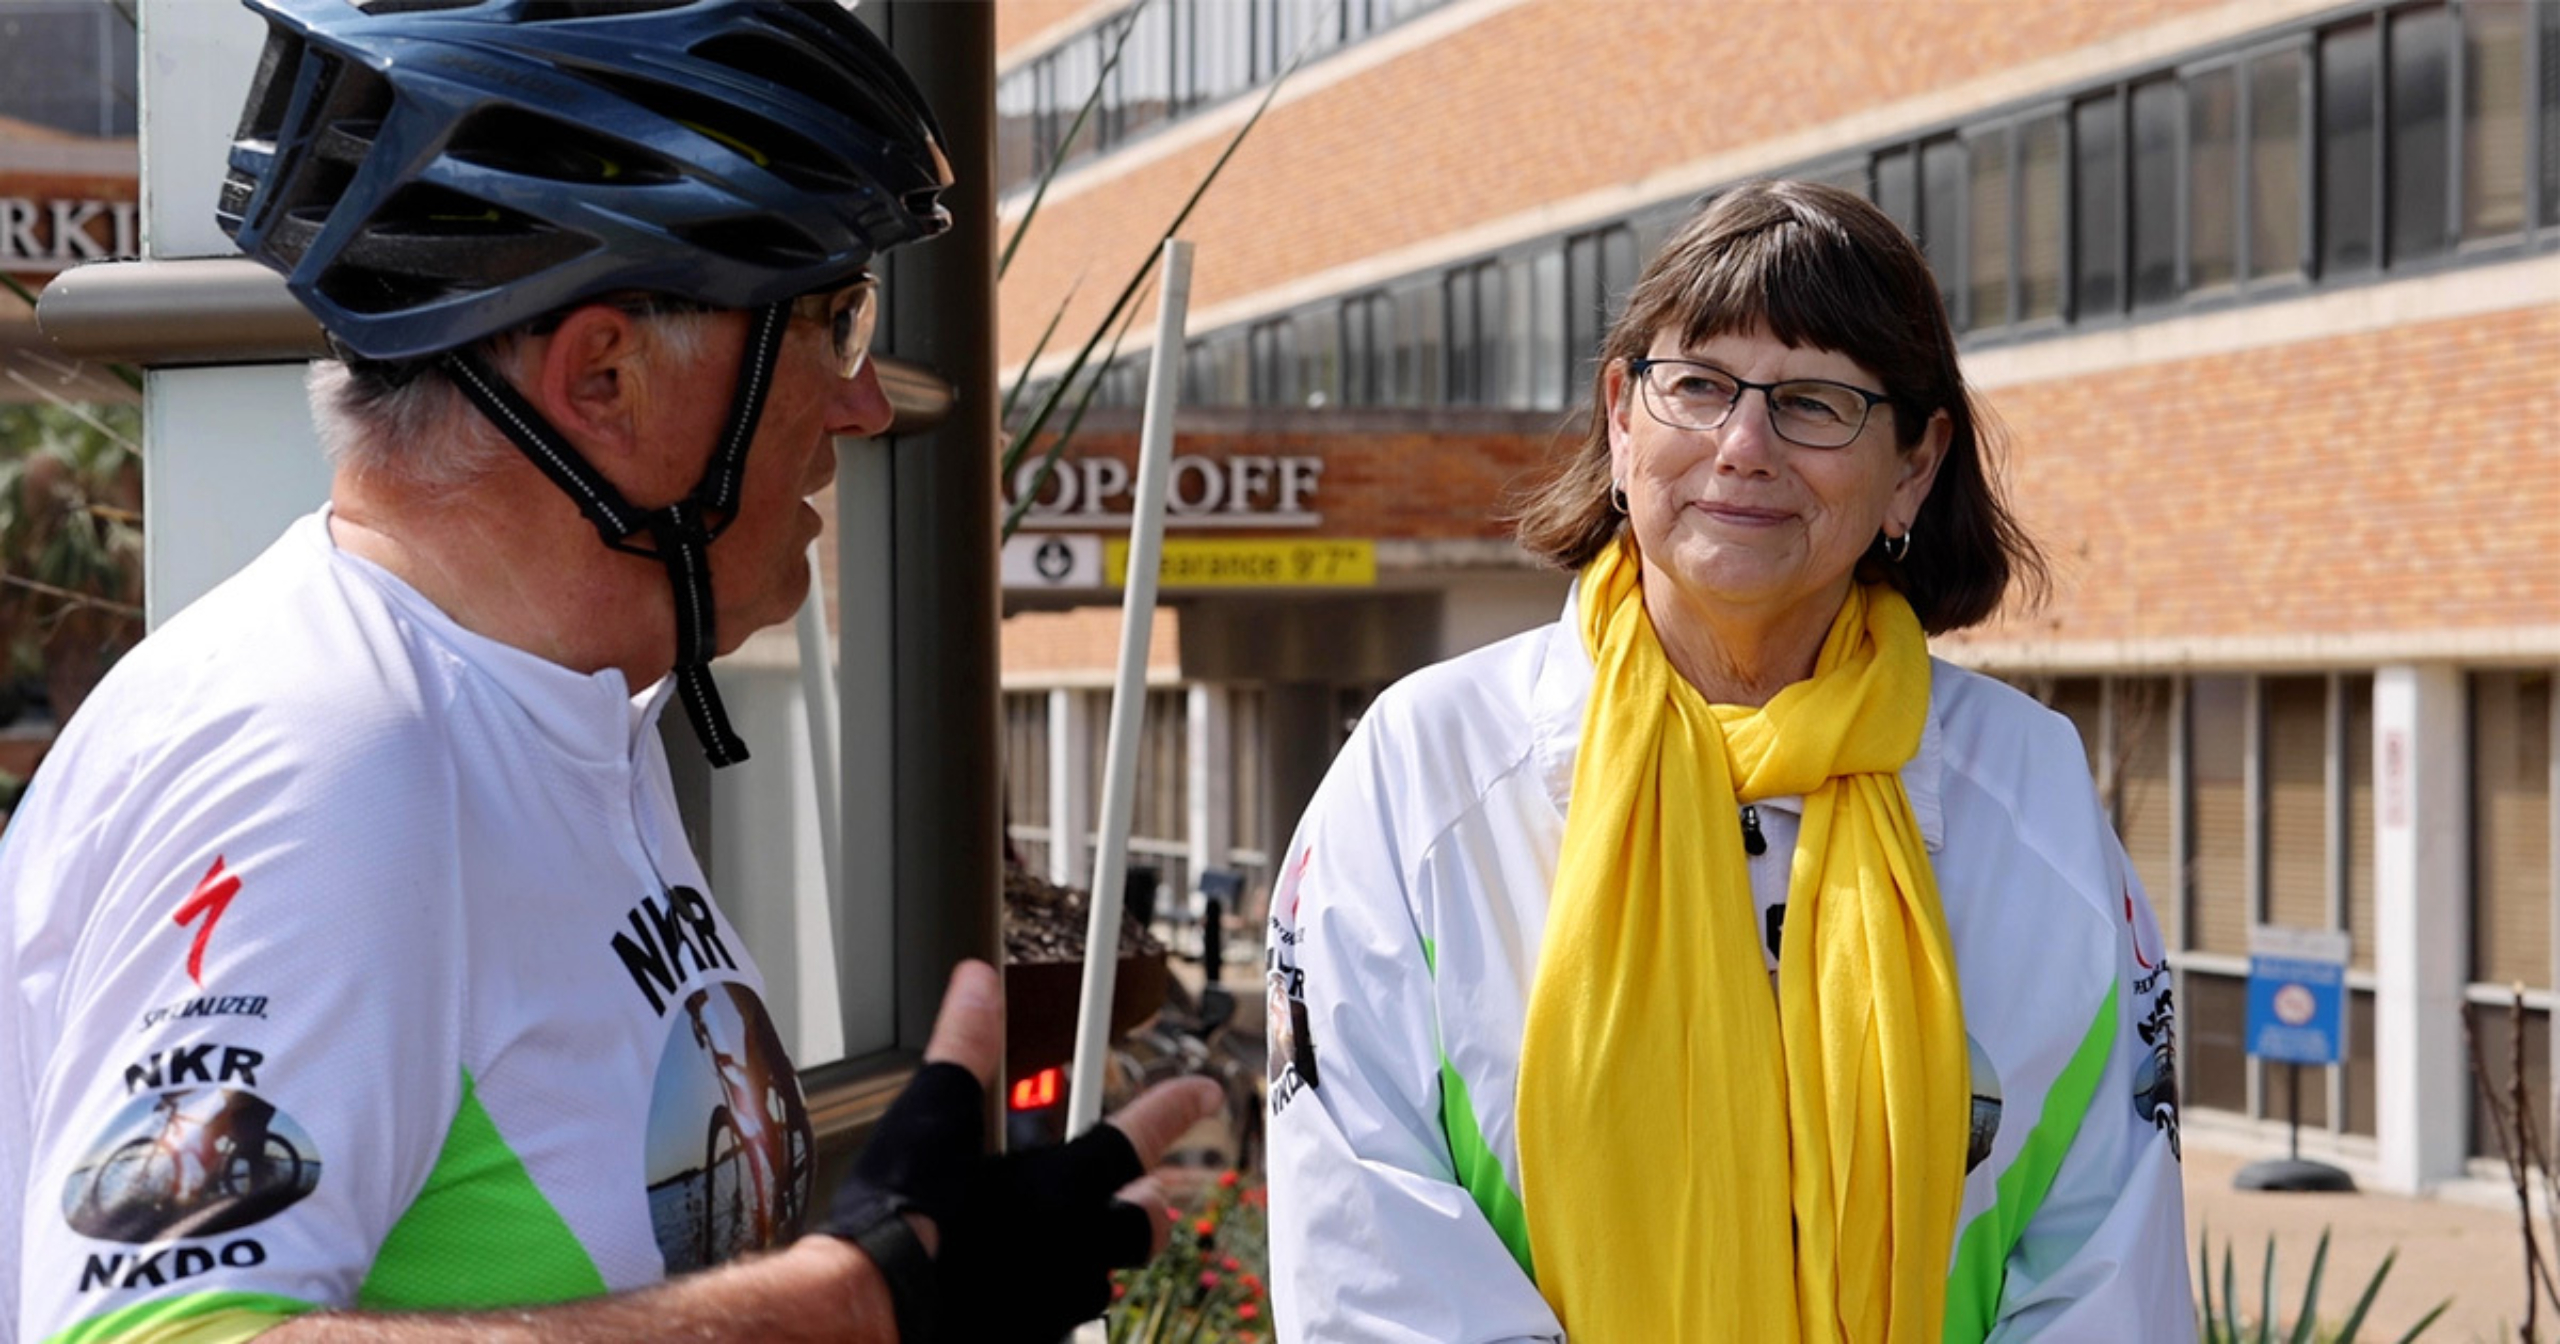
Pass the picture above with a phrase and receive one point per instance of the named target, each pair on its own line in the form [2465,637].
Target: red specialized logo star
[211,897]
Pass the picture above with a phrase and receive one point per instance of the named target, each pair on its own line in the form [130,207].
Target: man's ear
[586,381]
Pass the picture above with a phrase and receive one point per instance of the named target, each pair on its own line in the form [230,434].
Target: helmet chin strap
[680,535]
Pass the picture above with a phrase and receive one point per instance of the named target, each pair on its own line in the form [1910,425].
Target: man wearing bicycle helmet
[377,840]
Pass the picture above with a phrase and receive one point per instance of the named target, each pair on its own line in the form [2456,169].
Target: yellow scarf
[1698,1162]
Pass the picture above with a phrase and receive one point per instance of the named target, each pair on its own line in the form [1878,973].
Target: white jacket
[1404,937]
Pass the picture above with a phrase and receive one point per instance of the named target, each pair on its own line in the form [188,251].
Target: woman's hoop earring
[1617,497]
[1896,547]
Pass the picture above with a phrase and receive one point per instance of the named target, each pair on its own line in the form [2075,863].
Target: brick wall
[2394,481]
[1536,104]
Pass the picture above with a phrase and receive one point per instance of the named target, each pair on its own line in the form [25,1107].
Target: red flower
[1208,1278]
[1230,1263]
[1227,1180]
[1118,1290]
[1205,1226]
[1247,1312]
[1253,1284]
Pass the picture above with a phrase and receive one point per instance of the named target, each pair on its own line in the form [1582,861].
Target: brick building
[2266,293]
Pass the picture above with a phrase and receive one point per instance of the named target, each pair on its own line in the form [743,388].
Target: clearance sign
[1220,562]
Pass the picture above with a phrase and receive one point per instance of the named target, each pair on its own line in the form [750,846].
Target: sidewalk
[2463,1243]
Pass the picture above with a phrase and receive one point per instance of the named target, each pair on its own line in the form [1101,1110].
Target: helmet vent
[760,241]
[787,154]
[514,140]
[795,68]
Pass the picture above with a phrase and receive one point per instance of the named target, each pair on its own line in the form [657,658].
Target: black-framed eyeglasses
[851,312]
[1810,412]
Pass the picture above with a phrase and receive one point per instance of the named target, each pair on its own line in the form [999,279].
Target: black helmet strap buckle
[680,534]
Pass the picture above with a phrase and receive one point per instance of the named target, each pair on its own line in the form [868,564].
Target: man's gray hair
[424,431]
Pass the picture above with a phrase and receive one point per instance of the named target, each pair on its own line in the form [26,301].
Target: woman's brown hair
[1818,267]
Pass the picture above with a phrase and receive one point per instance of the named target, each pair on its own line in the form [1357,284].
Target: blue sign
[2297,1010]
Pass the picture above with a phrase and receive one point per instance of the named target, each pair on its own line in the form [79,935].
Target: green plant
[70,544]
[2228,1326]
[1208,1285]
[1071,382]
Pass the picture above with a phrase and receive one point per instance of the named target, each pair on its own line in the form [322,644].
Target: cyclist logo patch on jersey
[211,897]
[729,1147]
[190,1162]
[1987,1103]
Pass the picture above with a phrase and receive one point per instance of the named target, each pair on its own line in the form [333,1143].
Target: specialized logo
[2134,924]
[211,897]
[185,1163]
[1287,904]
[207,1005]
[729,1154]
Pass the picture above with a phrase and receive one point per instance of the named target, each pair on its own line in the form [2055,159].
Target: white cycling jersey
[356,960]
[1404,939]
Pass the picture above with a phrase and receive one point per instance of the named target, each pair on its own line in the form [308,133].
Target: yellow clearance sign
[1222,562]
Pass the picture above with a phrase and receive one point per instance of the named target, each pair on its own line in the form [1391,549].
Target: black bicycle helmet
[427,173]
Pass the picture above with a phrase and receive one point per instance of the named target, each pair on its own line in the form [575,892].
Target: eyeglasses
[1810,412]
[850,312]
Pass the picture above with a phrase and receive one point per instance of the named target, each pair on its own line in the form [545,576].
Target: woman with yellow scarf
[1714,964]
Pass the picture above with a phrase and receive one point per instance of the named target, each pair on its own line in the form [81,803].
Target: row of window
[2404,138]
[2250,800]
[1174,57]
[67,65]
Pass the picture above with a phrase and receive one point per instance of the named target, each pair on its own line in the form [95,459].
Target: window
[1273,352]
[2154,210]
[1545,349]
[2548,143]
[2213,178]
[1018,126]
[2421,161]
[1942,191]
[2275,165]
[2493,111]
[1368,349]
[2296,799]
[2511,872]
[68,65]
[1419,379]
[1475,333]
[2040,215]
[2097,215]
[1598,269]
[1987,270]
[1319,359]
[2356,696]
[1145,77]
[1898,189]
[2349,151]
[2218,813]
[2138,793]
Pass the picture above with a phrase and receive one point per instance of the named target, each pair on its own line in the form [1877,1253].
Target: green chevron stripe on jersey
[1982,1250]
[1478,1168]
[480,1234]
[206,1318]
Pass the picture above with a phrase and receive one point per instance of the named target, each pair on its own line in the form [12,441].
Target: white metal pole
[1129,692]
[818,693]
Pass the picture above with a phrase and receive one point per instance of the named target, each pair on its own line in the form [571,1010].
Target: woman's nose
[1747,441]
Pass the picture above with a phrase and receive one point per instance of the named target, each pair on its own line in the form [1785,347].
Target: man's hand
[1022,1244]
